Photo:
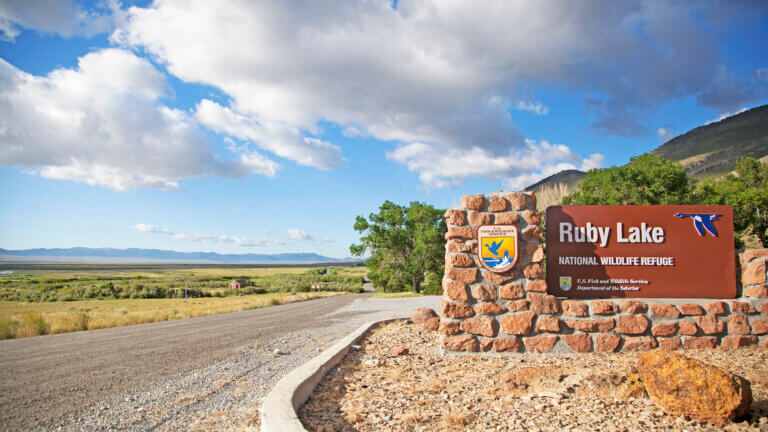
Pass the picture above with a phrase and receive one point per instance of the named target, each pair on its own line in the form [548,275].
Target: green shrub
[433,285]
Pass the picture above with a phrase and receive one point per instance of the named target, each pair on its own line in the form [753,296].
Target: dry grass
[24,319]
[32,324]
[693,160]
[550,195]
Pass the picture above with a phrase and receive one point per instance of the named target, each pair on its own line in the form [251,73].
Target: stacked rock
[511,312]
[754,273]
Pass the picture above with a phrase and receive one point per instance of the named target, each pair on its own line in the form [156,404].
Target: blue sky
[265,127]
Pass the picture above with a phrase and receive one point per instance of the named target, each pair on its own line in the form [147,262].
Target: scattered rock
[683,386]
[400,351]
[355,347]
[279,352]
[372,362]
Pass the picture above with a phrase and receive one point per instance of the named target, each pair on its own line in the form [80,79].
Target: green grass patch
[67,285]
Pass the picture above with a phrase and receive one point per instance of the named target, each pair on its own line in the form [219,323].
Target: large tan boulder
[683,386]
[422,315]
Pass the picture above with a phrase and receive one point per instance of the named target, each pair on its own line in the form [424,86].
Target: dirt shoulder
[425,390]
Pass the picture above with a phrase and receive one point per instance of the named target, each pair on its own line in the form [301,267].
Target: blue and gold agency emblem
[565,283]
[497,247]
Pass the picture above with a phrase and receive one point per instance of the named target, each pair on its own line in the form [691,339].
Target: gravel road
[208,373]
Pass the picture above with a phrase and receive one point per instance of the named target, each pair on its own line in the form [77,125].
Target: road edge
[278,412]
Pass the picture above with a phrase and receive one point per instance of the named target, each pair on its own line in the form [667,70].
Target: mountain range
[706,151]
[159,255]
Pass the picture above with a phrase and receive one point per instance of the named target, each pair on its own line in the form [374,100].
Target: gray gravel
[222,394]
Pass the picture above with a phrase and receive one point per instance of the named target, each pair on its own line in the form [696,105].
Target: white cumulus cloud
[301,235]
[516,170]
[537,108]
[282,140]
[436,77]
[297,234]
[208,238]
[63,17]
[150,229]
[102,123]
[725,115]
[665,134]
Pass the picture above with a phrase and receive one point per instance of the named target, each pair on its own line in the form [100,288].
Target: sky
[267,126]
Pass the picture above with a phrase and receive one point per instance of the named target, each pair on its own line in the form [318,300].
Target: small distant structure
[234,285]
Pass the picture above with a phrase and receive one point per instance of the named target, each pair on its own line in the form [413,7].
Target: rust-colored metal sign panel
[680,251]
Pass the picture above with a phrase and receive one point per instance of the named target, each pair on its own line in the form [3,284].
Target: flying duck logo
[702,221]
[498,247]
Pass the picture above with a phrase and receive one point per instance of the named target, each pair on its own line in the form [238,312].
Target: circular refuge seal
[497,247]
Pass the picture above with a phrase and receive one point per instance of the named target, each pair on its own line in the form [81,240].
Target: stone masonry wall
[753,273]
[512,312]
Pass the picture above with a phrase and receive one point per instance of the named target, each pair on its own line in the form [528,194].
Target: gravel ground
[226,395]
[425,391]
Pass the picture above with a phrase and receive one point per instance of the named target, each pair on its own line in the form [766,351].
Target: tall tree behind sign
[406,245]
[645,180]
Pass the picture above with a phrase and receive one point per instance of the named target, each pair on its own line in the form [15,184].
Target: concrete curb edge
[278,412]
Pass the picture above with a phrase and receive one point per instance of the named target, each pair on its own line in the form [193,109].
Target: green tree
[406,245]
[646,179]
[746,192]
